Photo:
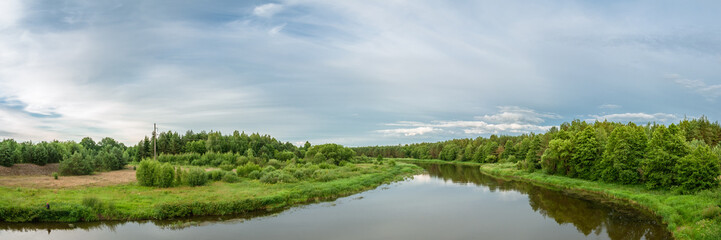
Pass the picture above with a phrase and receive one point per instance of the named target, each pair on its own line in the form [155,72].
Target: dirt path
[47,181]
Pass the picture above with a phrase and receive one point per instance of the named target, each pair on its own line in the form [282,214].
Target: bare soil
[34,176]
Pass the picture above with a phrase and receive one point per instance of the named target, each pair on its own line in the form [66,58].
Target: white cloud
[275,30]
[267,10]
[636,117]
[10,13]
[710,92]
[511,120]
[408,131]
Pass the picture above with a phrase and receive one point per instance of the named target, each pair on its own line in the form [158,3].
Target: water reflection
[587,215]
[450,202]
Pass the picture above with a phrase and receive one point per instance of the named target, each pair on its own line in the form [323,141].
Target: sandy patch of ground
[29,169]
[46,181]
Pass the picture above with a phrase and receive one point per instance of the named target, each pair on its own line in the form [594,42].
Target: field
[33,176]
[96,197]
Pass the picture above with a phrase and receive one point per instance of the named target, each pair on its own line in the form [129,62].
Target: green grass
[134,202]
[694,216]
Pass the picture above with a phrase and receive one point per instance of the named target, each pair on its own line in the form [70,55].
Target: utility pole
[155,140]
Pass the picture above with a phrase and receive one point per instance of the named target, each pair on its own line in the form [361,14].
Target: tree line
[683,156]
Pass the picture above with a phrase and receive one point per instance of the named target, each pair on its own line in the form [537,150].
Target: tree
[89,144]
[508,150]
[666,147]
[77,164]
[449,152]
[6,155]
[621,159]
[556,158]
[586,153]
[698,170]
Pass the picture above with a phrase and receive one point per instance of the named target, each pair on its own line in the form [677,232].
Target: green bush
[55,175]
[226,167]
[196,177]
[277,176]
[76,164]
[698,170]
[255,174]
[230,177]
[146,172]
[246,169]
[165,176]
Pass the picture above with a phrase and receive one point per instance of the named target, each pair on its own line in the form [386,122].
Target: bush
[230,177]
[275,163]
[165,176]
[277,176]
[92,202]
[55,175]
[246,169]
[255,174]
[697,171]
[76,164]
[392,163]
[227,167]
[215,175]
[196,177]
[146,172]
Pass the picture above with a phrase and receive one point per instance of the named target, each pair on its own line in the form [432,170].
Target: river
[448,202]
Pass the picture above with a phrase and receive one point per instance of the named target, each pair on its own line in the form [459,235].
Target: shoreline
[172,205]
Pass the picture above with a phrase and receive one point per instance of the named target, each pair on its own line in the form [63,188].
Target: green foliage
[277,176]
[245,170]
[196,177]
[215,175]
[146,172]
[667,146]
[450,152]
[165,176]
[698,170]
[77,164]
[55,175]
[556,158]
[586,152]
[230,177]
[621,159]
[333,152]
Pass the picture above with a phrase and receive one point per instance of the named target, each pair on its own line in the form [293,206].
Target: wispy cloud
[267,10]
[710,92]
[636,117]
[609,106]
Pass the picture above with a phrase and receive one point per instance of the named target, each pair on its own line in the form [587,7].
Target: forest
[683,156]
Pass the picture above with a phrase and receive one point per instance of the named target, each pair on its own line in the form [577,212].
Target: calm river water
[449,202]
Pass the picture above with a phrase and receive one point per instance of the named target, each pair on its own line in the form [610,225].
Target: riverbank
[134,202]
[696,216]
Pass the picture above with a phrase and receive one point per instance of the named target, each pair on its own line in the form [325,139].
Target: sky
[356,73]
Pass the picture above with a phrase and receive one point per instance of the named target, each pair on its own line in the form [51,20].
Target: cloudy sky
[351,72]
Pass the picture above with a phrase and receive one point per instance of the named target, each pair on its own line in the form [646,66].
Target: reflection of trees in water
[587,216]
[177,224]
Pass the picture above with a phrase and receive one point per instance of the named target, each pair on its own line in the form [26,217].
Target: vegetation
[682,157]
[133,201]
[690,216]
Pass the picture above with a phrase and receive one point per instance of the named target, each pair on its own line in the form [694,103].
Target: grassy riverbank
[134,202]
[695,216]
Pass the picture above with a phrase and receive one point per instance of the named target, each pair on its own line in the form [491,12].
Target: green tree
[586,153]
[624,150]
[77,164]
[666,147]
[450,152]
[698,170]
[556,158]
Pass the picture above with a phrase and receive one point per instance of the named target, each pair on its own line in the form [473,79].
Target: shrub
[165,176]
[255,174]
[246,169]
[697,171]
[215,175]
[92,202]
[277,176]
[196,177]
[76,164]
[227,167]
[392,163]
[230,177]
[711,212]
[275,163]
[146,172]
[55,175]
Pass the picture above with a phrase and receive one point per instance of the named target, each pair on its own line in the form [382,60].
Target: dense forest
[683,156]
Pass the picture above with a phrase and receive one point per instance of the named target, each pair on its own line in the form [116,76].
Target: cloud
[275,30]
[511,120]
[10,12]
[710,92]
[636,117]
[267,10]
